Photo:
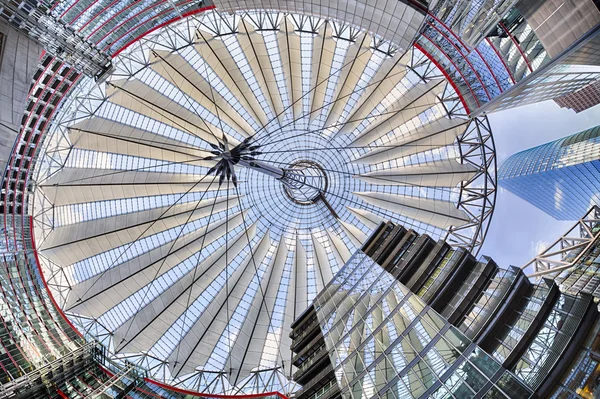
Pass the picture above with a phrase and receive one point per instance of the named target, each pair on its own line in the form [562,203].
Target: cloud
[539,246]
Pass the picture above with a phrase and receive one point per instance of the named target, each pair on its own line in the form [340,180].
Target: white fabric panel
[80,193]
[442,214]
[284,53]
[254,344]
[217,56]
[324,274]
[92,228]
[418,99]
[205,87]
[249,48]
[198,344]
[74,250]
[392,71]
[301,292]
[436,134]
[327,45]
[138,97]
[357,237]
[192,83]
[251,327]
[257,334]
[340,250]
[102,177]
[154,319]
[368,218]
[259,46]
[94,142]
[295,65]
[440,173]
[110,128]
[97,295]
[355,63]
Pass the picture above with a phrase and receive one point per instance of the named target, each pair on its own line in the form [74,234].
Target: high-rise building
[569,33]
[408,317]
[581,99]
[559,177]
[502,54]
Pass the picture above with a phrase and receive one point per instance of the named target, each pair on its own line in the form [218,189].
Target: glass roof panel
[191,246]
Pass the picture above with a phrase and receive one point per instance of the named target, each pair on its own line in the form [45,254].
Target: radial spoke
[164,113]
[68,182]
[144,232]
[322,129]
[168,253]
[338,99]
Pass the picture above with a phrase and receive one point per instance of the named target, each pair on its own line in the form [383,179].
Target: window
[2,36]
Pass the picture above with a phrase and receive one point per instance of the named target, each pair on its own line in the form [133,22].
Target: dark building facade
[411,317]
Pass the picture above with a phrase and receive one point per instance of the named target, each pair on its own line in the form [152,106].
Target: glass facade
[386,342]
[560,177]
[584,276]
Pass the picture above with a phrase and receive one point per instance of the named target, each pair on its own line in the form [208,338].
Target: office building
[559,177]
[502,54]
[581,99]
[408,317]
[568,31]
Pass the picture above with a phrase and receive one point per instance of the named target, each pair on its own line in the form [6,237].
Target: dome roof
[191,206]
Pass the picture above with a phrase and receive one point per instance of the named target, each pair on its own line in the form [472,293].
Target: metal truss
[56,37]
[476,146]
[477,196]
[566,252]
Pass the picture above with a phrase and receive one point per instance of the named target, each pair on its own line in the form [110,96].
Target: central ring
[305,182]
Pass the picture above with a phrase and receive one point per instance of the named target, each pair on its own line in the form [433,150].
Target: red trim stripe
[215,396]
[441,68]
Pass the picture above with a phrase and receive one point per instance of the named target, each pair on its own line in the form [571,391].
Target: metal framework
[56,37]
[56,79]
[474,197]
[477,148]
[566,252]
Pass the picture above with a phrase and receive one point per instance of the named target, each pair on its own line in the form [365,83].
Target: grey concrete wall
[18,65]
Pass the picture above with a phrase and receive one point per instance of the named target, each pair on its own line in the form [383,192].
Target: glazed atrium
[184,180]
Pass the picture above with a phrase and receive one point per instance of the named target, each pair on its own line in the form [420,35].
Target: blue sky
[519,230]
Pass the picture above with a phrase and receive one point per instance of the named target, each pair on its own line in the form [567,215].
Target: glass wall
[385,342]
